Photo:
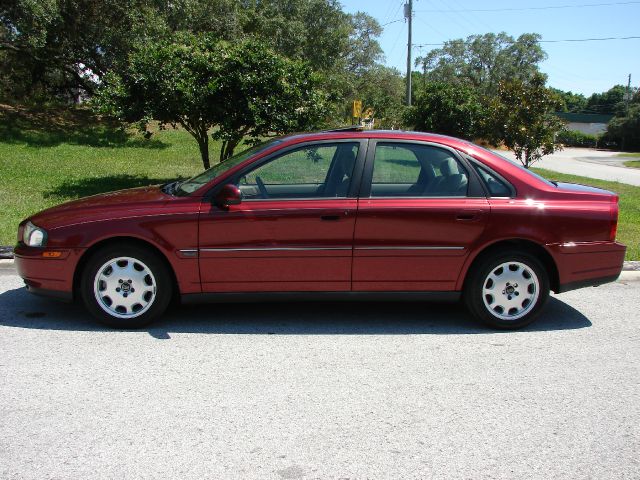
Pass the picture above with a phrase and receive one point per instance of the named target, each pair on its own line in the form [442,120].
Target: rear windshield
[517,164]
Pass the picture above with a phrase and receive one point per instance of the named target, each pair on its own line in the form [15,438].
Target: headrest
[449,167]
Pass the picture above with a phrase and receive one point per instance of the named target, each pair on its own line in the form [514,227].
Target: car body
[335,214]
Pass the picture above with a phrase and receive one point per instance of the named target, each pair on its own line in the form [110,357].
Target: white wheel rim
[510,290]
[124,287]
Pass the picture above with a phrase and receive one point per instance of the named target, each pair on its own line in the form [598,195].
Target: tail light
[614,209]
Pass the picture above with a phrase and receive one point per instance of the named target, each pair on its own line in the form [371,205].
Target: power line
[589,39]
[394,21]
[396,13]
[551,7]
[552,41]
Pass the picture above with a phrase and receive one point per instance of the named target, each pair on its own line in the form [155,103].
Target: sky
[580,67]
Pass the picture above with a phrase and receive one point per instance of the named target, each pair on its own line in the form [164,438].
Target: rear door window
[416,170]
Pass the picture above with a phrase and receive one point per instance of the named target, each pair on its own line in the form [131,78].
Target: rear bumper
[587,264]
[52,277]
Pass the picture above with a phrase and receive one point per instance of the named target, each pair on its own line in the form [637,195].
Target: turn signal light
[51,254]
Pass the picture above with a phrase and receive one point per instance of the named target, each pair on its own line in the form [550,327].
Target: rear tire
[507,290]
[126,286]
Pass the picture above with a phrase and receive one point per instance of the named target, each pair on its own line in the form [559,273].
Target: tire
[139,292]
[507,290]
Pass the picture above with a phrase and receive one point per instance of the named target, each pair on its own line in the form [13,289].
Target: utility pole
[408,14]
[628,99]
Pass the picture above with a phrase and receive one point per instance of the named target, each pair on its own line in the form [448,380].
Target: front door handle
[330,218]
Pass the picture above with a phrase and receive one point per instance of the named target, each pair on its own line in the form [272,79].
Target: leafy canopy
[241,89]
[483,61]
[449,109]
[624,128]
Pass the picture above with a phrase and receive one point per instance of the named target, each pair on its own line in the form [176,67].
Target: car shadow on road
[20,309]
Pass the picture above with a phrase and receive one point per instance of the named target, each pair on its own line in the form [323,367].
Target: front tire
[507,290]
[126,286]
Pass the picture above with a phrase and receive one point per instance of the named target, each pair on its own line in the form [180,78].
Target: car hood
[119,204]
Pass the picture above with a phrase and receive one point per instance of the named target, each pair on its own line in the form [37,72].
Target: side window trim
[477,164]
[475,190]
[356,176]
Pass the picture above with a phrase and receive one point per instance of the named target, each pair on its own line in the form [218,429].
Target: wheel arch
[120,240]
[521,244]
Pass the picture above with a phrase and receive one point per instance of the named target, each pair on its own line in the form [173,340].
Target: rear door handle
[468,215]
[330,218]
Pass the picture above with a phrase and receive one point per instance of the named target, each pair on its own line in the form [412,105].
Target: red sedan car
[338,215]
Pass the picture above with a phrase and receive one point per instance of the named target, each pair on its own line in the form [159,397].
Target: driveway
[588,163]
[321,391]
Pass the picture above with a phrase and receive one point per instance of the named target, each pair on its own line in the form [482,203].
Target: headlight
[34,236]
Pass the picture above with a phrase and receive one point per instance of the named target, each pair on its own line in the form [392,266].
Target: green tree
[51,46]
[59,46]
[611,101]
[571,102]
[624,129]
[521,115]
[483,61]
[450,109]
[382,89]
[314,30]
[243,89]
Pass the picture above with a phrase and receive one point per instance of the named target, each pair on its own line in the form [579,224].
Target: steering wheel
[262,188]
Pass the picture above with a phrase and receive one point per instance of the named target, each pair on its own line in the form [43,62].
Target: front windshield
[194,183]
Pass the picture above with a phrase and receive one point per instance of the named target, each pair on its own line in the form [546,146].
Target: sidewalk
[587,163]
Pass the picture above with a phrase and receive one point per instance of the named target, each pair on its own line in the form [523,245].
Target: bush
[625,131]
[574,138]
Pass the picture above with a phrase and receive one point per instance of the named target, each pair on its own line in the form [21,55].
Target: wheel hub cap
[510,290]
[124,287]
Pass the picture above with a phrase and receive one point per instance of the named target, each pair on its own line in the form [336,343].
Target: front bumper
[587,264]
[49,276]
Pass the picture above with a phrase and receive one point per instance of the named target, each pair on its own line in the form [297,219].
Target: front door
[417,221]
[293,230]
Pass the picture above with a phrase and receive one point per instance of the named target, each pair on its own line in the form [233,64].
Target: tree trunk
[226,151]
[203,143]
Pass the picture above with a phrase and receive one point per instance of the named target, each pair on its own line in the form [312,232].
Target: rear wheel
[507,290]
[126,286]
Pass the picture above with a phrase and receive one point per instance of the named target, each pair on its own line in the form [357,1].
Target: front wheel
[507,290]
[126,286]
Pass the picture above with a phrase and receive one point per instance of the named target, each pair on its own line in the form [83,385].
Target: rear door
[293,230]
[419,212]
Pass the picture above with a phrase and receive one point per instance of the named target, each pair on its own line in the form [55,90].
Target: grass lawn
[633,159]
[46,159]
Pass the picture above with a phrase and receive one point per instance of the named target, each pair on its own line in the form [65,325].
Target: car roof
[354,133]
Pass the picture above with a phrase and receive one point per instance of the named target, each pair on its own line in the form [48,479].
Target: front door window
[316,171]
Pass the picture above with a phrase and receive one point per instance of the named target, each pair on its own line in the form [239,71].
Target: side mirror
[229,194]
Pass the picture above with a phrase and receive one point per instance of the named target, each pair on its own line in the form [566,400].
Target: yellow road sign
[357,108]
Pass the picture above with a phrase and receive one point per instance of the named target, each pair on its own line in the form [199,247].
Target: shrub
[574,138]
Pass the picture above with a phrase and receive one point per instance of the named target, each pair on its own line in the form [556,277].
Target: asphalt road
[322,391]
[588,163]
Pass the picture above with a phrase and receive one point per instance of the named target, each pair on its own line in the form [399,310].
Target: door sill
[259,297]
